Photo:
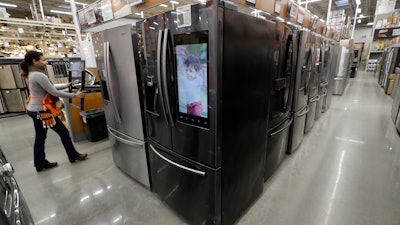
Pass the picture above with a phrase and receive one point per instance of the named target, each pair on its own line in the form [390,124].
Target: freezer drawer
[13,100]
[6,77]
[278,139]
[130,156]
[297,129]
[190,189]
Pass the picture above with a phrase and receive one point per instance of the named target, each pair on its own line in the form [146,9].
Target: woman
[32,69]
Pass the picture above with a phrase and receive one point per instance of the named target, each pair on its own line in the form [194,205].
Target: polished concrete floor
[347,171]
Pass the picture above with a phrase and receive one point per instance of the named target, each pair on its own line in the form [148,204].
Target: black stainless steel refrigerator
[312,81]
[117,60]
[281,97]
[326,59]
[300,94]
[206,75]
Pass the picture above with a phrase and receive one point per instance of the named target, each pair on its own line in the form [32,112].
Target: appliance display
[281,97]
[200,158]
[117,61]
[191,60]
[312,81]
[300,94]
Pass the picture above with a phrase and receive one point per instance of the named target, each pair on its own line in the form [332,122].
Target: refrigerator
[392,62]
[323,81]
[382,66]
[312,81]
[281,97]
[343,72]
[205,72]
[300,93]
[117,61]
[332,67]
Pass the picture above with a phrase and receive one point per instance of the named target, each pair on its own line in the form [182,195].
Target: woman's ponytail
[28,61]
[24,69]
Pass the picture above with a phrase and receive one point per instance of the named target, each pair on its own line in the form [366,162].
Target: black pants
[40,139]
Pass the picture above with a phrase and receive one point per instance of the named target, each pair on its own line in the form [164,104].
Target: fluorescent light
[311,1]
[77,3]
[174,2]
[61,12]
[358,2]
[370,24]
[164,5]
[8,5]
[359,10]
[358,21]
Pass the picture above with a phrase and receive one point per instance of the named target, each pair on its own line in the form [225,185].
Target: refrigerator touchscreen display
[192,78]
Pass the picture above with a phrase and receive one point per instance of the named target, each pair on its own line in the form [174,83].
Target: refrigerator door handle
[159,87]
[124,139]
[164,76]
[283,128]
[197,172]
[323,84]
[109,80]
[304,111]
[314,99]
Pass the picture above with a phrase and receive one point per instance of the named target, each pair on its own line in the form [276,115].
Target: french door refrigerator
[323,75]
[117,60]
[332,67]
[206,80]
[300,94]
[312,81]
[281,97]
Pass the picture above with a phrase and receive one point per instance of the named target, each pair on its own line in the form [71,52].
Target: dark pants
[40,139]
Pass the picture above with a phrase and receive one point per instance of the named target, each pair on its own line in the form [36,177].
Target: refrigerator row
[203,103]
[388,78]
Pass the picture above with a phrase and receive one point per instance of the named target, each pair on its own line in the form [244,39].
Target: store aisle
[347,171]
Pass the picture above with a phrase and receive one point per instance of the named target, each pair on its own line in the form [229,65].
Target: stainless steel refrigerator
[117,62]
[326,59]
[332,67]
[343,72]
[281,97]
[300,94]
[206,74]
[312,81]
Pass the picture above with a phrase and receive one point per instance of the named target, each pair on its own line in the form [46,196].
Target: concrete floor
[347,171]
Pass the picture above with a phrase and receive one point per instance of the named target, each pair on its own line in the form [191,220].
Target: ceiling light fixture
[77,3]
[370,24]
[8,5]
[61,12]
[307,2]
[358,21]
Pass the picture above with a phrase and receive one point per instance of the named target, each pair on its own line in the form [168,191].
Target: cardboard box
[391,87]
[281,6]
[393,76]
[346,42]
[266,5]
[307,19]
